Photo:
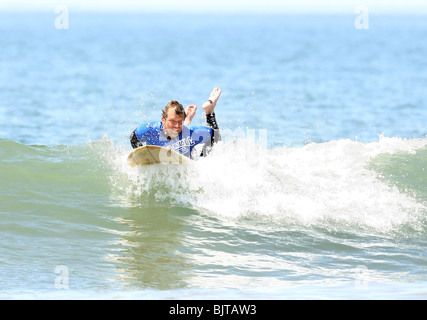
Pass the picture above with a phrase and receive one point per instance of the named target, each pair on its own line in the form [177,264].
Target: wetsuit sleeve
[211,121]
[138,137]
[134,142]
[215,137]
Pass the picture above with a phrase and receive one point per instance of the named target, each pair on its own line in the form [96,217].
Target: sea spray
[330,185]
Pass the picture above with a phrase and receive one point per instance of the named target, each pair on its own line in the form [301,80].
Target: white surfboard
[155,154]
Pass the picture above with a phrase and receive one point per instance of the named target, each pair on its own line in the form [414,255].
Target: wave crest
[331,184]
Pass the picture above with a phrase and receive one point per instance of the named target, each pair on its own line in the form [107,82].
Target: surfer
[174,131]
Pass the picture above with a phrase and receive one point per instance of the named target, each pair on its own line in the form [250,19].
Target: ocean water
[318,189]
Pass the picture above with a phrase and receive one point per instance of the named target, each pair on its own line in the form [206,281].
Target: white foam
[328,184]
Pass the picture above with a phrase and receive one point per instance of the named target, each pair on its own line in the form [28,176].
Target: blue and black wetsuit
[152,133]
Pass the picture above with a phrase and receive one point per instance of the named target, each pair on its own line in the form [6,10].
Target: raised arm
[190,112]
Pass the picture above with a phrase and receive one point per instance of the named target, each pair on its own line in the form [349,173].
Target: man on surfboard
[174,131]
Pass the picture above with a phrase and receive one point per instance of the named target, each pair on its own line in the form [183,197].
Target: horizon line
[225,12]
[257,10]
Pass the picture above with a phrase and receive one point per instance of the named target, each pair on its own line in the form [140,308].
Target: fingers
[214,96]
[191,109]
[216,92]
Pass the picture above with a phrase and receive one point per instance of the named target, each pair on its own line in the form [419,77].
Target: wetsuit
[152,133]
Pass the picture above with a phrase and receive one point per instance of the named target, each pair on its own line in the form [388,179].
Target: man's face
[173,123]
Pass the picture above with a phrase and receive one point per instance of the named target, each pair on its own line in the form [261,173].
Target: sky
[221,6]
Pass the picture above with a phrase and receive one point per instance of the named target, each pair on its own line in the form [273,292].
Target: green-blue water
[319,189]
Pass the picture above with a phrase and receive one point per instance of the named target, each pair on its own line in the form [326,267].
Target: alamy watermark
[362,20]
[61,281]
[248,143]
[62,21]
[361,277]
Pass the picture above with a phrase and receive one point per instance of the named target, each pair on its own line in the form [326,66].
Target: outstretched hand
[209,105]
[190,112]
